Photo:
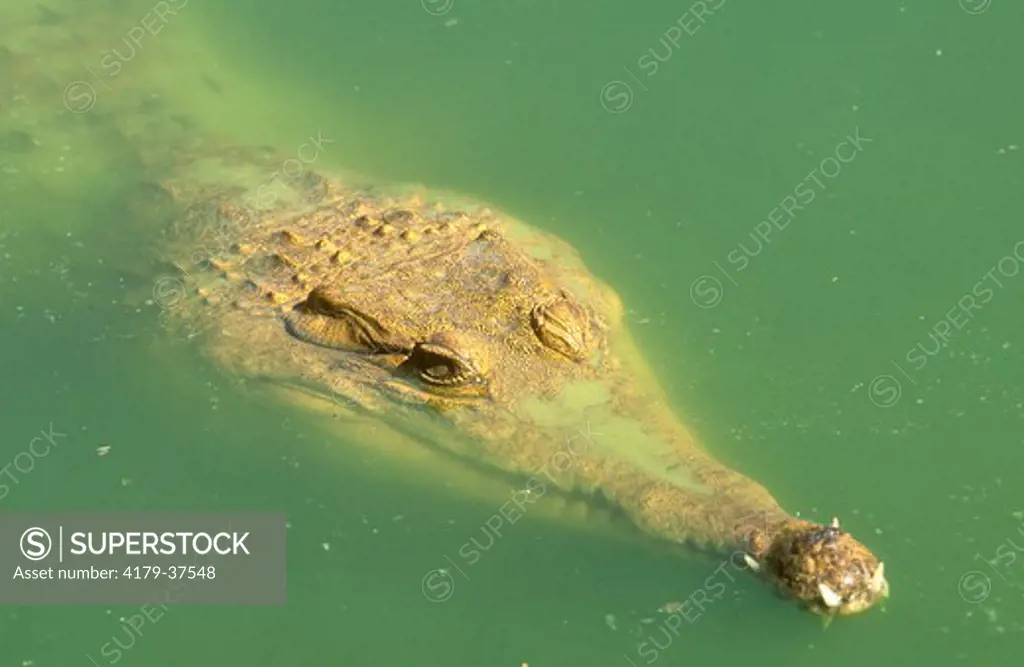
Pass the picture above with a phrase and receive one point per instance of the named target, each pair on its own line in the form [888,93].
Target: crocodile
[483,337]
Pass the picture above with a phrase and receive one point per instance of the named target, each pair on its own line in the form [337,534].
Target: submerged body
[483,337]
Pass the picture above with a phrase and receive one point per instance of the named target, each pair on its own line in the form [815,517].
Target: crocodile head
[490,339]
[462,322]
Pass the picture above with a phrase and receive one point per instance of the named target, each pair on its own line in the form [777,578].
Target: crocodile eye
[563,326]
[325,319]
[441,366]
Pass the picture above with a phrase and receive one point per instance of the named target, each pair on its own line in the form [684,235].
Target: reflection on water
[802,369]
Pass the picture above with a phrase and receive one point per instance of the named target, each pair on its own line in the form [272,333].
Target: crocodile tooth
[829,596]
[878,579]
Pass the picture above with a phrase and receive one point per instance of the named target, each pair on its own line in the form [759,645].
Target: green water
[797,362]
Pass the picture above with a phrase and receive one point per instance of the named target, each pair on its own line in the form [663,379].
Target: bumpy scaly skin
[484,337]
